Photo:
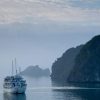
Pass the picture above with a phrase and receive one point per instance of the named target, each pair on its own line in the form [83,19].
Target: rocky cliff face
[35,71]
[62,67]
[87,63]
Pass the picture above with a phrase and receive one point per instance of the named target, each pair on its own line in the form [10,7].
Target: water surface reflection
[44,89]
[14,96]
[77,92]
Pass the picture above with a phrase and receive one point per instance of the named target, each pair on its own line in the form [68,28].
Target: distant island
[80,64]
[35,71]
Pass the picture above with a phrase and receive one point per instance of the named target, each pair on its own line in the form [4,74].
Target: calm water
[44,89]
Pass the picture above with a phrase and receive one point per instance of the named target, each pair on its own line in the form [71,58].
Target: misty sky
[37,32]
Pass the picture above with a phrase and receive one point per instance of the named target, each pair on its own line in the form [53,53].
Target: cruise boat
[14,84]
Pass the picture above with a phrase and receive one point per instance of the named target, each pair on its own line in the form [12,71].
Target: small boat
[14,83]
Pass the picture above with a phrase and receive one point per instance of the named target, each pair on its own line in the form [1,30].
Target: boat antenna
[12,67]
[15,66]
[19,70]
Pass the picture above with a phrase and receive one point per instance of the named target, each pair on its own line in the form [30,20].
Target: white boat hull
[18,90]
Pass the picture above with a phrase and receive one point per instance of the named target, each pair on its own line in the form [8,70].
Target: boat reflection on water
[8,96]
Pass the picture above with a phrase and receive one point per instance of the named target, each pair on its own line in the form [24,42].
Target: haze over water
[44,89]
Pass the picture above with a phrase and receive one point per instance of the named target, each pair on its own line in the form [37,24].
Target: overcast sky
[37,32]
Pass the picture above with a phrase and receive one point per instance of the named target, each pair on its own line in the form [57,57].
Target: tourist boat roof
[14,77]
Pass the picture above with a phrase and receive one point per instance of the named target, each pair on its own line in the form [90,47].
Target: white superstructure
[14,84]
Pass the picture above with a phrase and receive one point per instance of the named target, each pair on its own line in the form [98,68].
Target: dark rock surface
[62,67]
[87,63]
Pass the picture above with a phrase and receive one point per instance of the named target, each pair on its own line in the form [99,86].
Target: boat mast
[15,66]
[19,70]
[12,67]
